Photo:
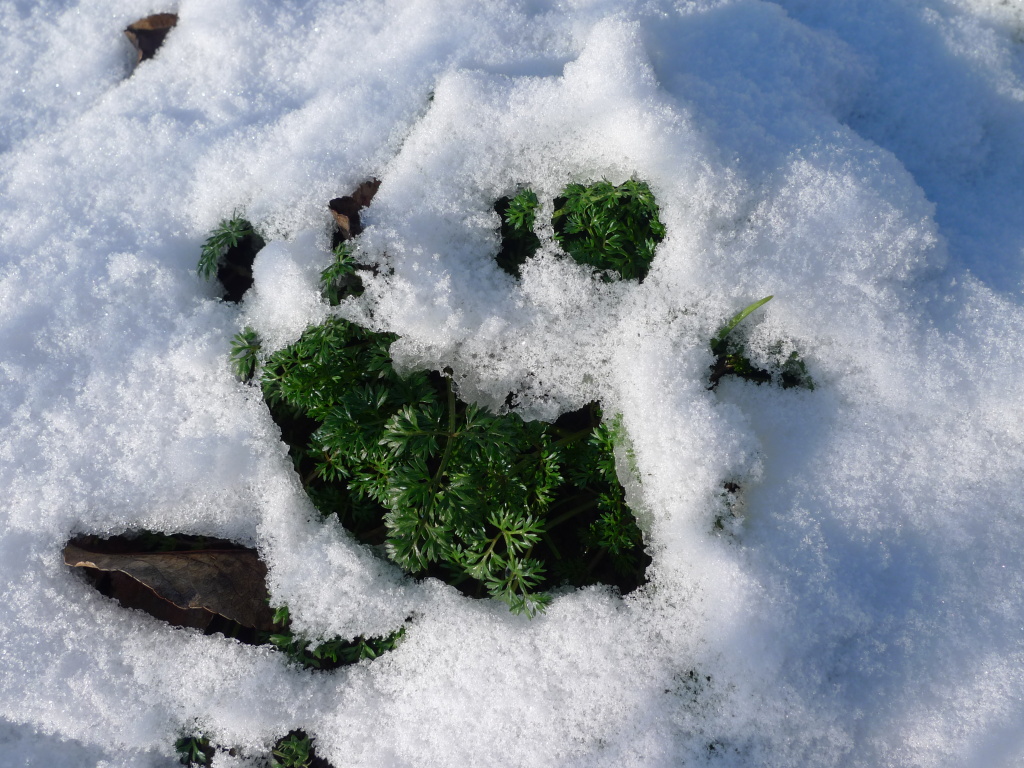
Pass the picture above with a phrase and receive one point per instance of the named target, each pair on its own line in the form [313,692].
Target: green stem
[597,559]
[572,513]
[573,437]
[551,545]
[373,534]
[448,445]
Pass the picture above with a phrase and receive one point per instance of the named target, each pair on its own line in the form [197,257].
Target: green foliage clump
[194,750]
[611,228]
[731,359]
[293,751]
[332,653]
[518,241]
[245,349]
[228,254]
[614,229]
[448,488]
[522,210]
[339,280]
[228,234]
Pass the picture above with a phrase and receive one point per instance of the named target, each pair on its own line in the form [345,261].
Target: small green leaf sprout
[731,358]
[194,750]
[339,280]
[245,348]
[228,234]
[718,343]
[293,751]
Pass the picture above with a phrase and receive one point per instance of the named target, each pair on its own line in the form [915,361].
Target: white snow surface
[861,160]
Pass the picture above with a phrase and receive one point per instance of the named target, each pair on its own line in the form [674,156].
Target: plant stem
[448,445]
[551,545]
[572,513]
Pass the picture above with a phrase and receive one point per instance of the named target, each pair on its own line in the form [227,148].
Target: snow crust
[860,160]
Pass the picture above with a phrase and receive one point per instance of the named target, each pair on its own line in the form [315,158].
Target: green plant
[340,280]
[718,344]
[521,210]
[293,751]
[614,229]
[447,487]
[518,242]
[194,750]
[228,234]
[332,653]
[245,348]
[731,359]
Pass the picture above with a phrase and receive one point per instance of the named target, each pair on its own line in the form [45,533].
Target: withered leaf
[346,209]
[346,216]
[364,192]
[148,34]
[230,583]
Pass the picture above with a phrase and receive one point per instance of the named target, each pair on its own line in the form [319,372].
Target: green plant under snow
[496,505]
[293,751]
[611,228]
[328,654]
[228,234]
[194,750]
[731,358]
[445,484]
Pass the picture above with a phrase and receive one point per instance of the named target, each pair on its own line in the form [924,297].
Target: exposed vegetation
[518,241]
[194,750]
[730,358]
[496,505]
[228,253]
[328,654]
[293,751]
[340,280]
[614,229]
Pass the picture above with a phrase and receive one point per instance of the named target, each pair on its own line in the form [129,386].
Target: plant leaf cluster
[228,234]
[332,653]
[518,241]
[228,254]
[788,371]
[194,749]
[448,488]
[292,751]
[244,357]
[614,229]
[496,505]
[339,280]
[611,228]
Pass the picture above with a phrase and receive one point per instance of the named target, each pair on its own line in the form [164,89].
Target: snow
[858,159]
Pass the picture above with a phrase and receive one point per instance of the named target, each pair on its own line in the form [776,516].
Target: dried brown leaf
[230,583]
[346,209]
[364,192]
[148,34]
[346,216]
